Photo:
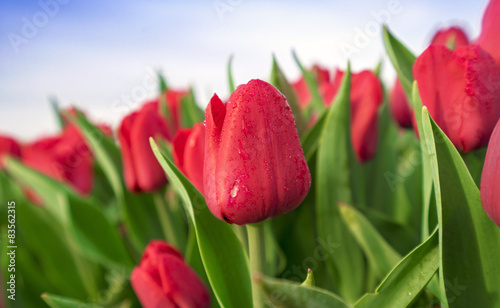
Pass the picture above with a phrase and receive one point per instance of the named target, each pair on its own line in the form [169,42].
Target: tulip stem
[257,249]
[166,219]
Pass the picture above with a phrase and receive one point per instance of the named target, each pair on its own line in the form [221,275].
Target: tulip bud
[65,157]
[163,279]
[400,107]
[452,38]
[461,89]
[189,153]
[8,146]
[490,178]
[254,164]
[366,96]
[141,170]
[490,30]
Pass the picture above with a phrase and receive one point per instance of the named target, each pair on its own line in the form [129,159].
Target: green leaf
[223,256]
[136,210]
[427,185]
[469,239]
[346,263]
[55,108]
[278,80]
[316,102]
[230,79]
[310,139]
[405,282]
[94,234]
[381,256]
[191,112]
[57,301]
[42,236]
[285,293]
[309,282]
[402,59]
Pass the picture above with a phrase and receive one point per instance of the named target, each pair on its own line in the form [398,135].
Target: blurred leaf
[398,235]
[470,240]
[95,236]
[42,235]
[230,79]
[285,293]
[275,258]
[475,161]
[223,256]
[405,282]
[317,102]
[57,301]
[402,59]
[381,256]
[346,264]
[278,80]
[310,139]
[136,210]
[55,108]
[191,112]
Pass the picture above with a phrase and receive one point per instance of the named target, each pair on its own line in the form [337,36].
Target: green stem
[257,248]
[166,220]
[241,233]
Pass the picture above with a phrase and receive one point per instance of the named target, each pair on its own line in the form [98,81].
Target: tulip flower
[65,157]
[189,153]
[366,97]
[254,163]
[163,279]
[490,30]
[141,170]
[400,107]
[301,88]
[461,89]
[490,178]
[8,147]
[452,38]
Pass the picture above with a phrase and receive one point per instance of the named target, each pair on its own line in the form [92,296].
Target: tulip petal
[148,172]
[181,283]
[490,178]
[148,291]
[126,151]
[178,146]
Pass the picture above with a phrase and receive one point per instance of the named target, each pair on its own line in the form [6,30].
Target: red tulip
[189,153]
[452,38]
[461,89]
[163,280]
[400,107]
[8,147]
[366,97]
[65,157]
[301,88]
[254,163]
[141,169]
[490,30]
[490,179]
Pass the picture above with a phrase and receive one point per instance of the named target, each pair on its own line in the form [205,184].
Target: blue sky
[101,55]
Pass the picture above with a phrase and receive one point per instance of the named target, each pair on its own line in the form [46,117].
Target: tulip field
[332,190]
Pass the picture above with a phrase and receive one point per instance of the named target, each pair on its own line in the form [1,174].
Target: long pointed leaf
[223,256]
